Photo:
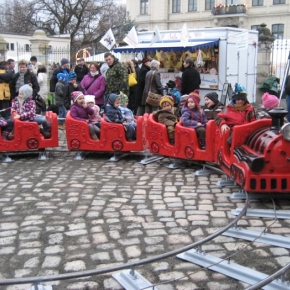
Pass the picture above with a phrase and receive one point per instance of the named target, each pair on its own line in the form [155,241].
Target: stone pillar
[39,46]
[264,57]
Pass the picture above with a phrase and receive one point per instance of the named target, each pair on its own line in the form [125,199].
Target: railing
[229,9]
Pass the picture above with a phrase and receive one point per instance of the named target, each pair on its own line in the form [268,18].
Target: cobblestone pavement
[62,215]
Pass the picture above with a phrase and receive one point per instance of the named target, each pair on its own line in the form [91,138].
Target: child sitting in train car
[82,112]
[96,118]
[114,115]
[180,106]
[237,112]
[167,117]
[193,116]
[268,103]
[172,90]
[126,112]
[212,106]
[23,108]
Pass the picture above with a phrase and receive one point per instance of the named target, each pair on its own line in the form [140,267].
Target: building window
[209,4]
[192,5]
[175,6]
[279,2]
[27,47]
[144,7]
[255,27]
[231,2]
[278,31]
[258,3]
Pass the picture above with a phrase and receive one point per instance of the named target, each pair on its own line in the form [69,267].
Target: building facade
[248,14]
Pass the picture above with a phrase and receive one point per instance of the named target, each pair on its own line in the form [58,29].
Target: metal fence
[279,55]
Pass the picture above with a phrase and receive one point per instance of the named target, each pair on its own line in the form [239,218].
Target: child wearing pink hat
[194,117]
[268,103]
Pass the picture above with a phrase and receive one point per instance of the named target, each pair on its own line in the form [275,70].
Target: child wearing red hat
[192,116]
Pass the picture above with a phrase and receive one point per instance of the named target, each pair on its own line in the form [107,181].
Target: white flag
[156,35]
[184,36]
[108,40]
[131,38]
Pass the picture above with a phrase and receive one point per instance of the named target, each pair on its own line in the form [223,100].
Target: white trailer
[237,55]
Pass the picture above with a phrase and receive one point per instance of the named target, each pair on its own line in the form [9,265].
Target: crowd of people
[90,90]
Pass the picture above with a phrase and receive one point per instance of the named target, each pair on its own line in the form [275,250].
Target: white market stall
[229,55]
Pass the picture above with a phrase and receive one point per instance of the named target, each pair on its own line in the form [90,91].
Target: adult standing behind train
[94,84]
[117,75]
[152,83]
[145,68]
[190,80]
[24,76]
[63,68]
[81,70]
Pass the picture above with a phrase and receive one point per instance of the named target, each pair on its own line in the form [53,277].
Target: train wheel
[189,152]
[220,158]
[155,147]
[32,143]
[75,143]
[117,145]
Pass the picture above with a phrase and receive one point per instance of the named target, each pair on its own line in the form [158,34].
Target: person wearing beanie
[237,112]
[23,108]
[94,119]
[167,117]
[127,114]
[114,115]
[59,99]
[193,116]
[145,67]
[63,68]
[212,105]
[190,79]
[82,112]
[69,88]
[173,91]
[268,103]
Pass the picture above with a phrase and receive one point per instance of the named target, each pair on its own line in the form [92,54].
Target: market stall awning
[168,45]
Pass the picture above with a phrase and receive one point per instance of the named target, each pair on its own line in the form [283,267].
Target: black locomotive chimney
[277,115]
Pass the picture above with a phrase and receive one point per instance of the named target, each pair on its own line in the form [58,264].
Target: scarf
[242,108]
[94,74]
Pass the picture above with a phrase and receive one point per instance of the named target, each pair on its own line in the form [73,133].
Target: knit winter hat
[213,96]
[240,96]
[112,98]
[124,98]
[26,90]
[72,75]
[64,61]
[270,101]
[195,96]
[183,98]
[89,99]
[75,95]
[61,76]
[171,84]
[167,99]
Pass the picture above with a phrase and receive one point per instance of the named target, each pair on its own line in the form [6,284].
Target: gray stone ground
[62,215]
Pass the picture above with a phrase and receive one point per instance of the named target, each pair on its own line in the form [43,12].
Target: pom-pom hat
[195,96]
[270,101]
[167,99]
[72,75]
[61,76]
[75,95]
[89,99]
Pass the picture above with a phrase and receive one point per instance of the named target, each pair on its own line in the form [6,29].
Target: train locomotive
[258,158]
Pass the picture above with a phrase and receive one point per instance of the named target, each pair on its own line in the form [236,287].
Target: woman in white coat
[42,94]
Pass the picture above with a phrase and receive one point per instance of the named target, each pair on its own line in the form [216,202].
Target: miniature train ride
[258,158]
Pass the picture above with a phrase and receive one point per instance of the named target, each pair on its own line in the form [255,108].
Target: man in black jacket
[64,68]
[81,70]
[190,80]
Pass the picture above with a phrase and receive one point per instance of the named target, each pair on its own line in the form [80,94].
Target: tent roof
[167,45]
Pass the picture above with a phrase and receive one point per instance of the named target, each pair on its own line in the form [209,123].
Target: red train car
[186,142]
[28,137]
[112,137]
[258,158]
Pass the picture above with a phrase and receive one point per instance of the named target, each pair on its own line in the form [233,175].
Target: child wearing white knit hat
[94,119]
